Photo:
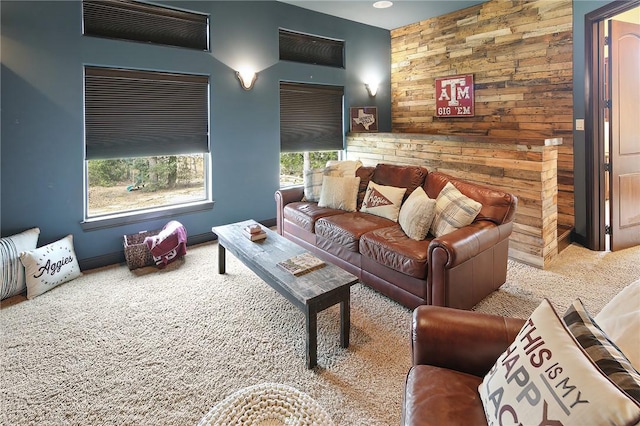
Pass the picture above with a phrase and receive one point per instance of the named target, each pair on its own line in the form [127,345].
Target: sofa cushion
[409,177]
[305,214]
[346,229]
[545,374]
[437,396]
[454,210]
[339,192]
[391,247]
[384,201]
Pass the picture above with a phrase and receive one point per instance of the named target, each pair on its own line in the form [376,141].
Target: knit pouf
[267,404]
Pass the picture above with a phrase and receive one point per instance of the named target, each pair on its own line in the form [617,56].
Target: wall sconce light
[372,88]
[247,79]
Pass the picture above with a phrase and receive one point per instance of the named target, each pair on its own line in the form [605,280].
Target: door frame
[594,118]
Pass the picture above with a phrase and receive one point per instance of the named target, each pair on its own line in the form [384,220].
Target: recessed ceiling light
[382,4]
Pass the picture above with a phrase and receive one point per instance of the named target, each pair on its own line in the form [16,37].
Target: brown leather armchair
[452,350]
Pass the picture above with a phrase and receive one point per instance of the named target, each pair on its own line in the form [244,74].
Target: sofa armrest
[460,340]
[461,245]
[283,197]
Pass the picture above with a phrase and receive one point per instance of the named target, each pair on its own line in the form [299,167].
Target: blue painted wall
[43,54]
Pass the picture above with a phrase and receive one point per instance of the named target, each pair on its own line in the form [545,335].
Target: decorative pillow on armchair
[454,210]
[12,272]
[607,356]
[384,201]
[545,377]
[50,266]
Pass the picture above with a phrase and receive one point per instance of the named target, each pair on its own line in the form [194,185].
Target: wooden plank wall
[526,168]
[521,55]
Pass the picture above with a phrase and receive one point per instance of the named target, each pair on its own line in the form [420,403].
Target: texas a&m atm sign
[454,96]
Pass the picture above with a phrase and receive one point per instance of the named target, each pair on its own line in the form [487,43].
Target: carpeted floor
[116,347]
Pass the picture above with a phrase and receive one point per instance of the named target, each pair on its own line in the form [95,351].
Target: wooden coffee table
[311,292]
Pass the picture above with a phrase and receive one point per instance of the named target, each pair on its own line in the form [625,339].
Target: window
[146,140]
[310,49]
[136,21]
[311,128]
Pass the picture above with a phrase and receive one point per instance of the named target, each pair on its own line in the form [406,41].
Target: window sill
[113,221]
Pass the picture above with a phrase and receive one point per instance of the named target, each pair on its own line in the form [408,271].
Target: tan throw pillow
[416,214]
[545,377]
[313,181]
[454,210]
[384,201]
[339,192]
[620,320]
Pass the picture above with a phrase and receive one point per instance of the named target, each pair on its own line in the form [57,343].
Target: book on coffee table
[254,232]
[301,264]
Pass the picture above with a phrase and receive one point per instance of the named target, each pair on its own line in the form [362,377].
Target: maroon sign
[454,96]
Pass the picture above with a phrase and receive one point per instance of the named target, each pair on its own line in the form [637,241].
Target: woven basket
[136,252]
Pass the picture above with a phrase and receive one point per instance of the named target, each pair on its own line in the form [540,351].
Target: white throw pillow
[50,266]
[313,181]
[545,374]
[416,214]
[454,210]
[12,272]
[620,320]
[384,201]
[339,192]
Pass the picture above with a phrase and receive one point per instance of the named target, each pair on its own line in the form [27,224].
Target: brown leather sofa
[457,270]
[452,350]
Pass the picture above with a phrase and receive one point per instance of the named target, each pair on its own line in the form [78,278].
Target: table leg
[222,267]
[312,337]
[345,321]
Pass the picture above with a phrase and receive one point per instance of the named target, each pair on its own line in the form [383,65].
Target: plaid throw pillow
[604,353]
[454,210]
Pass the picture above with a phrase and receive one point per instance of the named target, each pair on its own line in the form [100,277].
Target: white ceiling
[403,12]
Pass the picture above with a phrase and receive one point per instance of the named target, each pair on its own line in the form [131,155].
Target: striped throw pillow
[602,351]
[12,273]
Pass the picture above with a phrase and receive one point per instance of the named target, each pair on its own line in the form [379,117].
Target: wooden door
[624,148]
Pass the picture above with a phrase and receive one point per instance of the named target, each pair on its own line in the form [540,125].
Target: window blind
[136,21]
[310,49]
[130,113]
[311,118]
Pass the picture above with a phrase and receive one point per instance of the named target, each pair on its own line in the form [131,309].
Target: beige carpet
[115,347]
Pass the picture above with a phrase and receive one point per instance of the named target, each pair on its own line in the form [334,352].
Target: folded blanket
[169,244]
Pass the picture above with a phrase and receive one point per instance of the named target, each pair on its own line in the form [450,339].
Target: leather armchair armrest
[459,340]
[283,197]
[461,245]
